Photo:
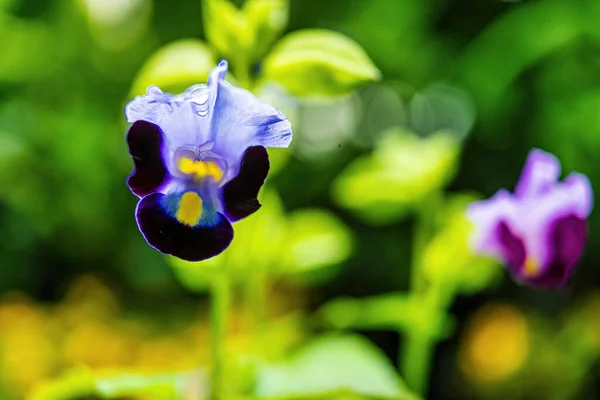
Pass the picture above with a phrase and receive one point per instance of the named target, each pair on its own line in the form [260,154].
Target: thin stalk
[424,229]
[256,295]
[220,305]
[414,359]
[419,347]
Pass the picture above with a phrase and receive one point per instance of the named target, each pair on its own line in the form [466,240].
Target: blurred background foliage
[401,109]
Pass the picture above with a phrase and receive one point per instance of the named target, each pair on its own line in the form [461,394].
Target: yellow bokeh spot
[531,267]
[200,169]
[496,344]
[190,209]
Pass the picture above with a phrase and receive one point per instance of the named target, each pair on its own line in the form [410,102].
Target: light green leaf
[75,384]
[168,386]
[315,239]
[82,383]
[319,62]
[175,67]
[393,311]
[244,35]
[333,364]
[224,26]
[265,22]
[385,185]
[447,256]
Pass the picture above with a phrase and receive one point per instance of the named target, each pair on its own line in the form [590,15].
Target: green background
[527,74]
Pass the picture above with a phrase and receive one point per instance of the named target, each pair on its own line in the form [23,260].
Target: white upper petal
[232,118]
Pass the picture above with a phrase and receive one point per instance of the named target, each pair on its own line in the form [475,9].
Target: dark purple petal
[167,235]
[239,195]
[567,241]
[513,249]
[145,141]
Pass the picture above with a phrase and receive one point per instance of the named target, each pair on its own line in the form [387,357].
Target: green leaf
[244,35]
[315,240]
[82,383]
[168,386]
[392,311]
[447,256]
[266,21]
[333,364]
[385,185]
[75,384]
[224,27]
[175,67]
[319,62]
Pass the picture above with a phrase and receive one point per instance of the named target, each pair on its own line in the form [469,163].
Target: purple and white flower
[200,160]
[540,230]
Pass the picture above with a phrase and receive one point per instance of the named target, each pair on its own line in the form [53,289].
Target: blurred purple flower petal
[539,232]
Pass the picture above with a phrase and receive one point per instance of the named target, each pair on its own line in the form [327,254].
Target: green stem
[419,347]
[416,354]
[424,229]
[256,299]
[416,361]
[220,304]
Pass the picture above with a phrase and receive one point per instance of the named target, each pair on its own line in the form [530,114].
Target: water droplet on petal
[154,90]
[198,94]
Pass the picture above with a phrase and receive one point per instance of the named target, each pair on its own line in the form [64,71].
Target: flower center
[530,268]
[200,162]
[200,169]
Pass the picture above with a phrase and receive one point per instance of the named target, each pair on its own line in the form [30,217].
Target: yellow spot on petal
[200,169]
[531,267]
[190,209]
